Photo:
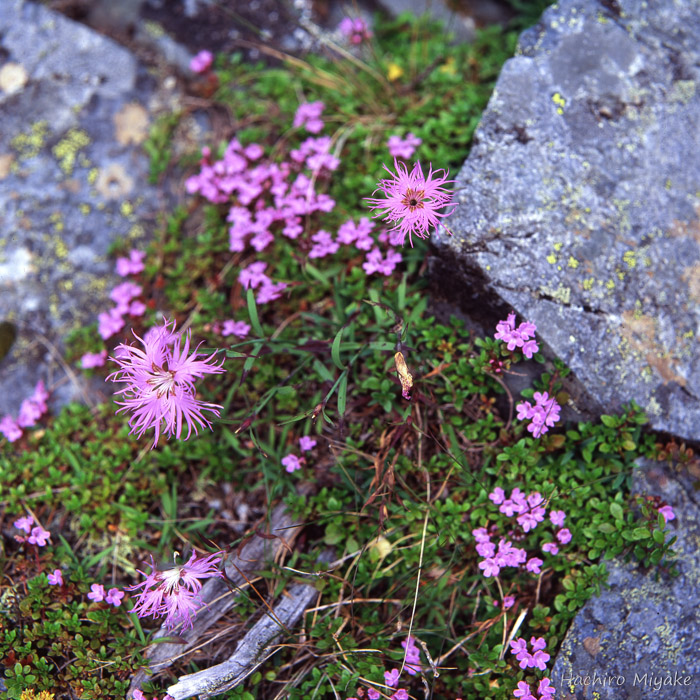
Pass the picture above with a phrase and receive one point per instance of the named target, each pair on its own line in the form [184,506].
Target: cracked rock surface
[580,200]
[74,113]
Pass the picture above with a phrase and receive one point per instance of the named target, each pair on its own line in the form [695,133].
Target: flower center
[162,380]
[413,200]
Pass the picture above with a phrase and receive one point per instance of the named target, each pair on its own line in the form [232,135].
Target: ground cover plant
[276,344]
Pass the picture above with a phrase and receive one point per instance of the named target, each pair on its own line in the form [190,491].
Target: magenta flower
[159,381]
[550,547]
[533,565]
[97,593]
[489,567]
[237,328]
[413,665]
[291,463]
[131,265]
[374,262]
[175,592]
[544,414]
[403,148]
[56,578]
[355,29]
[400,694]
[306,443]
[109,323]
[10,429]
[486,549]
[508,602]
[201,63]
[308,115]
[91,360]
[270,292]
[497,496]
[323,245]
[25,523]
[545,689]
[391,678]
[412,201]
[523,691]
[373,694]
[481,534]
[254,275]
[114,597]
[557,517]
[358,233]
[667,512]
[564,535]
[39,536]
[521,337]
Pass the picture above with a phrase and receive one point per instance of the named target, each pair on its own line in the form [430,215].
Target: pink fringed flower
[174,592]
[159,381]
[412,200]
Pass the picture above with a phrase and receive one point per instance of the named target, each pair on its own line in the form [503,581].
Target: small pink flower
[131,265]
[56,578]
[308,115]
[545,689]
[201,63]
[533,565]
[400,694]
[557,517]
[355,29]
[508,602]
[39,536]
[10,429]
[403,148]
[91,360]
[391,678]
[523,691]
[564,536]
[306,443]
[114,597]
[25,523]
[373,694]
[667,512]
[489,567]
[237,328]
[291,463]
[481,534]
[518,646]
[98,592]
[550,547]
[497,496]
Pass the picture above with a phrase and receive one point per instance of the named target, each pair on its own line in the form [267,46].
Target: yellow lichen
[29,144]
[573,263]
[92,176]
[127,208]
[66,150]
[84,209]
[630,258]
[551,258]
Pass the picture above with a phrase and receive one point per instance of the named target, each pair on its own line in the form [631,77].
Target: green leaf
[609,421]
[607,528]
[335,349]
[253,313]
[658,536]
[342,393]
[640,533]
[616,511]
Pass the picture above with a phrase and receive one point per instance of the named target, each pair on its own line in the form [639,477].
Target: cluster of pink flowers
[412,201]
[355,29]
[113,596]
[308,115]
[542,416]
[159,379]
[238,328]
[293,463]
[138,695]
[521,337]
[413,665]
[254,277]
[527,660]
[131,265]
[537,659]
[175,591]
[31,410]
[403,148]
[37,534]
[529,511]
[201,63]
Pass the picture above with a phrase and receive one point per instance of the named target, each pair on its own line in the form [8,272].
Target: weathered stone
[640,637]
[580,200]
[72,182]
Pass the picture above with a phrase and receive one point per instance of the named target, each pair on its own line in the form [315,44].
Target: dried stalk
[253,650]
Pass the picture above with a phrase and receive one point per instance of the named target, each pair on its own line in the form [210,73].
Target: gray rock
[641,637]
[72,181]
[580,200]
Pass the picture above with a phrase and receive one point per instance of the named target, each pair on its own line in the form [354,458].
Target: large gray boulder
[74,110]
[580,200]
